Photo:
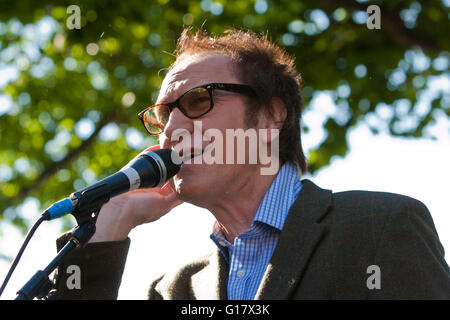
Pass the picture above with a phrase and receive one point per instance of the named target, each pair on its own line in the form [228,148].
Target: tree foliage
[70,96]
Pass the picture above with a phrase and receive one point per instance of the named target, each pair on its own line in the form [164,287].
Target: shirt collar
[279,198]
[276,203]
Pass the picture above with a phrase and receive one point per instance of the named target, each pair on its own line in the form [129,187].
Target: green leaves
[69,94]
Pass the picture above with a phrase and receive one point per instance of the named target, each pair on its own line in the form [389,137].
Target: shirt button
[223,244]
[240,274]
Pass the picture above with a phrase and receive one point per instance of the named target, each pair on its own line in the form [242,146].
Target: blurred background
[377,105]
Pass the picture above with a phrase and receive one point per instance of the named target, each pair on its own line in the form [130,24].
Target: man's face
[204,183]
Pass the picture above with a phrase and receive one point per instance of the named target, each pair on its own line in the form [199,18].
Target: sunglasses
[194,103]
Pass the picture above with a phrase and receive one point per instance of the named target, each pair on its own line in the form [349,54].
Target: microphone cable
[22,249]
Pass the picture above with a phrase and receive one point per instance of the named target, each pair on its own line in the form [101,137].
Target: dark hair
[267,68]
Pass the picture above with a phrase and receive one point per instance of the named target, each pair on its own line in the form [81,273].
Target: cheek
[228,113]
[164,142]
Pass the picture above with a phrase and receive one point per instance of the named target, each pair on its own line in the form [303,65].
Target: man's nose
[177,121]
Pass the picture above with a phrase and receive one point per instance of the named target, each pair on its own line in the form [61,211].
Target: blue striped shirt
[249,256]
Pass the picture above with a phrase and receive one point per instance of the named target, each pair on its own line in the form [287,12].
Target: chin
[188,186]
[194,185]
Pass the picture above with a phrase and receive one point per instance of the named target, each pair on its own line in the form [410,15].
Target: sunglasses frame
[232,87]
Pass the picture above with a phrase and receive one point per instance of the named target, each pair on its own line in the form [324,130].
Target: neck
[235,210]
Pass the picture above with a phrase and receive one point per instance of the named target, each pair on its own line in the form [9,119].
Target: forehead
[194,71]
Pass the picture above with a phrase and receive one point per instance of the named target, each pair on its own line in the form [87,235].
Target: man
[277,237]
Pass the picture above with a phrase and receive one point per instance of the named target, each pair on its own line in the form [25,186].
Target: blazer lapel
[211,282]
[301,233]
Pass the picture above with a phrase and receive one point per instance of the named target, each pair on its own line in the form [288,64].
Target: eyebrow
[173,92]
[166,101]
[176,92]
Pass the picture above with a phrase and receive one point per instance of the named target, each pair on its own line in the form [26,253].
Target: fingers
[166,189]
[163,190]
[173,199]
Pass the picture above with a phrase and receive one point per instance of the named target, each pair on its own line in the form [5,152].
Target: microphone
[151,168]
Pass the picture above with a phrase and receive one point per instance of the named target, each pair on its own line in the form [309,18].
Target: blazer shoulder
[357,204]
[394,232]
[352,194]
[367,215]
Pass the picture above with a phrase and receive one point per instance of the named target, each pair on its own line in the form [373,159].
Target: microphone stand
[40,285]
[88,205]
[89,202]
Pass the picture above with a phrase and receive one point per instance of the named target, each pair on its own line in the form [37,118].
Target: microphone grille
[169,163]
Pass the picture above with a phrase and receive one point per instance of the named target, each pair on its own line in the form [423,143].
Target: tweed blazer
[332,246]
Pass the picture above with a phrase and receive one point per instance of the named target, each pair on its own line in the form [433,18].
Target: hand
[122,213]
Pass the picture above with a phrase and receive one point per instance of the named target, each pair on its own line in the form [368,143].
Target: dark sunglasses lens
[156,118]
[196,102]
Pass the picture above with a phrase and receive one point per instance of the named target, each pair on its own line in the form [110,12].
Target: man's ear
[273,120]
[279,113]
